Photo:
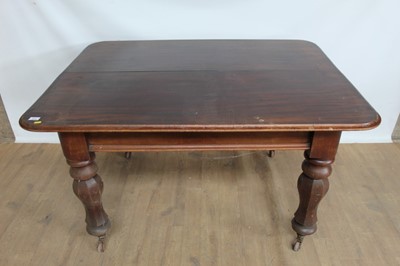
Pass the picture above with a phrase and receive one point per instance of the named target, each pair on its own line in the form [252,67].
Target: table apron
[200,141]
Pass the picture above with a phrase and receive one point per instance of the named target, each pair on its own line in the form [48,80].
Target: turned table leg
[313,183]
[87,185]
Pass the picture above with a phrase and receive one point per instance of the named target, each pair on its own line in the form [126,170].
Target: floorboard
[199,208]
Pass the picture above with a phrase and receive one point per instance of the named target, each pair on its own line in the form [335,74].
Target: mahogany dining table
[185,95]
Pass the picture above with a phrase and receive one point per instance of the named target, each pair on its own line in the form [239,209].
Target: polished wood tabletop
[201,86]
[201,95]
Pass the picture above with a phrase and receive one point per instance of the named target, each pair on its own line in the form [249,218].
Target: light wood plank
[199,208]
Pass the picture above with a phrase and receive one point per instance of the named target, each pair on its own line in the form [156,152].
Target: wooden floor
[211,208]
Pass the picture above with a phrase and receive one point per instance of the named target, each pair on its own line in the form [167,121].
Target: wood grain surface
[203,85]
[199,208]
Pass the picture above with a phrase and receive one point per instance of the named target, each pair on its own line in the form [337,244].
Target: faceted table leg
[87,185]
[312,185]
[89,192]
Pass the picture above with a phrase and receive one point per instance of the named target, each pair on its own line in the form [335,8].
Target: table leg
[313,183]
[87,185]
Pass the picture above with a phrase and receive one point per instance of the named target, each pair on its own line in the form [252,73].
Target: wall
[40,38]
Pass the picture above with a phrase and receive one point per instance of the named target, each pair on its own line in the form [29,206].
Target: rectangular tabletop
[201,85]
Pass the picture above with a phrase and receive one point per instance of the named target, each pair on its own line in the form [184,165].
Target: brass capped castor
[298,242]
[100,244]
